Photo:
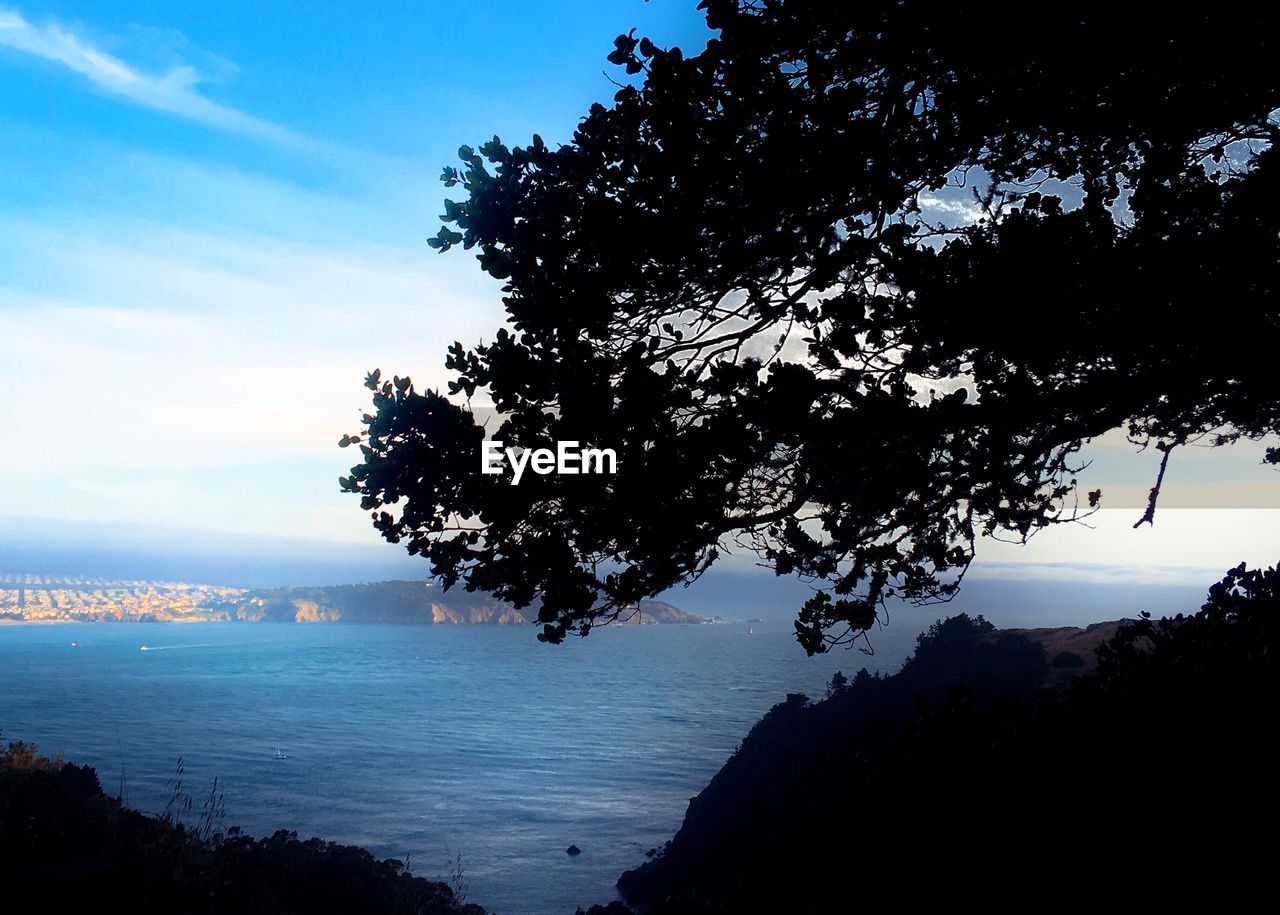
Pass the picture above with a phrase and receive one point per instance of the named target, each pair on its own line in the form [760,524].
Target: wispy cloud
[210,376]
[207,330]
[967,211]
[1182,537]
[1072,572]
[175,91]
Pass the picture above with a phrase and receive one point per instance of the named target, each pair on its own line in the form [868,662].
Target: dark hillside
[965,778]
[67,846]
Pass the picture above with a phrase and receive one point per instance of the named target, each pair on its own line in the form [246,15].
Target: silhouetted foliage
[1067,660]
[958,780]
[69,846]
[613,908]
[738,277]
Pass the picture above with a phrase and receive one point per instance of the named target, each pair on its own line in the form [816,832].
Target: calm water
[421,741]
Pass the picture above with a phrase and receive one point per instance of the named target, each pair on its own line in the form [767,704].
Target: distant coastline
[46,599]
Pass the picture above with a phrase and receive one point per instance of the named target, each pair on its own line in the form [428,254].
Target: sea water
[430,742]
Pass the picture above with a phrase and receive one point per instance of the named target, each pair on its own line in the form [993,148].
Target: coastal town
[53,599]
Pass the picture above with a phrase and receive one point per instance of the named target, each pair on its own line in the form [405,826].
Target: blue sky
[213,222]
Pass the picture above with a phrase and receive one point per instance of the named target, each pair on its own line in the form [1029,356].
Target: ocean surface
[420,741]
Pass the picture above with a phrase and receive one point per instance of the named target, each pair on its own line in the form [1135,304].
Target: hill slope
[996,765]
[67,846]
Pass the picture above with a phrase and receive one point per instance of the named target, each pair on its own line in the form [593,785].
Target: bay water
[431,742]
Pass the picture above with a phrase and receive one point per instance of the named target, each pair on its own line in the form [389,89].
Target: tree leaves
[733,278]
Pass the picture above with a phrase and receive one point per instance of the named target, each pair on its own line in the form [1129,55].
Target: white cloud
[967,210]
[193,345]
[208,378]
[1072,572]
[183,351]
[1185,538]
[175,91]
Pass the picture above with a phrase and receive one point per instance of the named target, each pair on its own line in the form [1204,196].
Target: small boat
[144,647]
[750,631]
[280,754]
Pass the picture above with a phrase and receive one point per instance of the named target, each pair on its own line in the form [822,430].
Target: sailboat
[280,754]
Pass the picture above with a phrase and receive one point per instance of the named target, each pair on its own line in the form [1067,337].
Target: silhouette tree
[741,276]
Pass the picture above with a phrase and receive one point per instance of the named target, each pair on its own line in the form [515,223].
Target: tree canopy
[740,276]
